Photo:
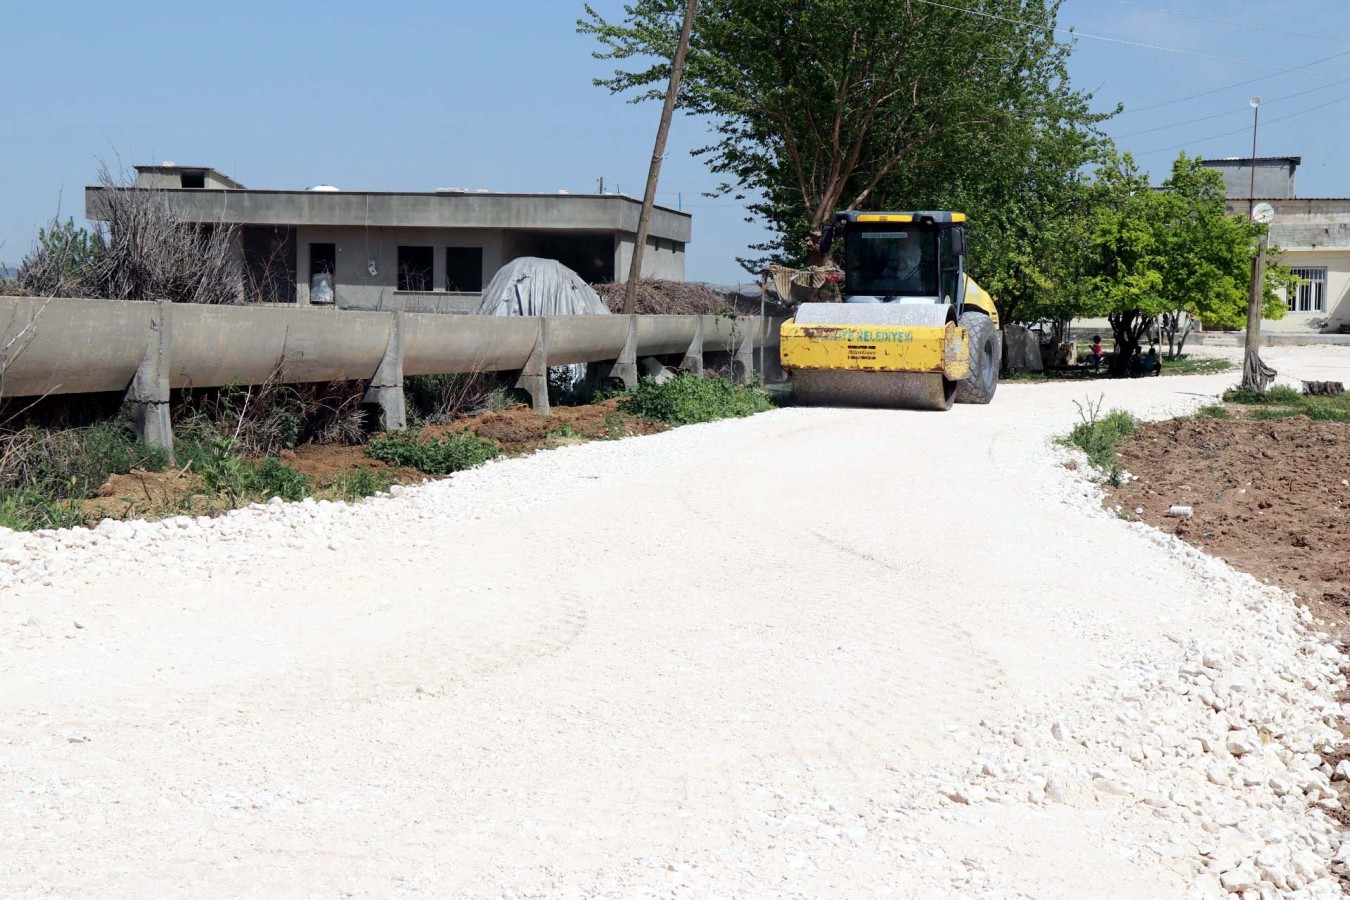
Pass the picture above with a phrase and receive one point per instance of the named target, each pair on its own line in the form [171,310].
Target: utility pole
[658,154]
[1256,375]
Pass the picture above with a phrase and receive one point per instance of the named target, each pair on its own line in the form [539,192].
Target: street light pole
[1256,375]
[1251,191]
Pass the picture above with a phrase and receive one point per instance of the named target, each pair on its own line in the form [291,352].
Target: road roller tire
[877,390]
[986,350]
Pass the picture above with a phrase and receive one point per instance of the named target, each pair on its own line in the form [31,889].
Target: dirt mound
[522,430]
[324,463]
[1269,497]
[140,493]
[683,298]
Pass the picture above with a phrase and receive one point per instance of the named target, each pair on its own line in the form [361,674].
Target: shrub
[436,399]
[1279,393]
[61,263]
[32,510]
[225,472]
[1098,435]
[435,456]
[72,463]
[45,473]
[271,478]
[689,399]
[1213,411]
[265,419]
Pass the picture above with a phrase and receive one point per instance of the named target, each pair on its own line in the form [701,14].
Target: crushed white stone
[815,653]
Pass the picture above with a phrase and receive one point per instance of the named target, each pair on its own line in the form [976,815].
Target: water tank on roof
[327,188]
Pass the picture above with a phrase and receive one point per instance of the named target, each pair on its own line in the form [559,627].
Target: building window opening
[193,179]
[464,269]
[1311,295]
[414,268]
[322,267]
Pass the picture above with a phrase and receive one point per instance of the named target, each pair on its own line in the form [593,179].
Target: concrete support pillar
[624,369]
[386,385]
[148,393]
[693,357]
[533,378]
[743,363]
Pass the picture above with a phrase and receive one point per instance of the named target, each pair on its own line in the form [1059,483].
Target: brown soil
[144,493]
[517,431]
[1270,498]
[522,430]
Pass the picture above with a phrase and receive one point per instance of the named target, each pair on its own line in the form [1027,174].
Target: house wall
[1274,177]
[356,288]
[662,259]
[1337,263]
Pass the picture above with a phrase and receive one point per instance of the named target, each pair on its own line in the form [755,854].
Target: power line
[1229,87]
[1234,22]
[1123,41]
[1212,137]
[1231,112]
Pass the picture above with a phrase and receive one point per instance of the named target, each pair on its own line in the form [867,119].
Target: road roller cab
[913,330]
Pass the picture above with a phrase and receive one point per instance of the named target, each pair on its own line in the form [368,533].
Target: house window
[322,259]
[322,266]
[1311,296]
[192,179]
[414,268]
[464,269]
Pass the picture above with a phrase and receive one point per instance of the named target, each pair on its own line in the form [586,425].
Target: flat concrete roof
[546,212]
[175,169]
[1244,160]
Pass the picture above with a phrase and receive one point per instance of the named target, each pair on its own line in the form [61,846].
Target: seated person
[1152,364]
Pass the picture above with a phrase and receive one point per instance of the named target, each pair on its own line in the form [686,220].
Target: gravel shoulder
[812,653]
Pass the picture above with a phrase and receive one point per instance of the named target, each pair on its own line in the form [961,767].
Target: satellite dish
[1263,213]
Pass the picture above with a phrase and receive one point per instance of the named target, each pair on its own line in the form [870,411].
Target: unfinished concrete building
[431,251]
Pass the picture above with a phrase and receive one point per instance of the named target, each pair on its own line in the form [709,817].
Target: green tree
[1170,255]
[826,104]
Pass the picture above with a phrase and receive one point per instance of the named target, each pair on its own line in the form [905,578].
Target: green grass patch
[1184,364]
[1278,395]
[1283,402]
[44,474]
[1194,365]
[564,432]
[689,399]
[1098,435]
[434,456]
[225,472]
[361,483]
[1214,411]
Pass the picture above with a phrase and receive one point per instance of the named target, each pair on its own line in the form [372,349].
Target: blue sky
[416,95]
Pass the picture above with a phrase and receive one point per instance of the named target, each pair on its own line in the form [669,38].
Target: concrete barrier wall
[70,346]
[217,345]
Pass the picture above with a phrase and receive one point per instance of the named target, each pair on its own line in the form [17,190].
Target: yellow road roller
[914,331]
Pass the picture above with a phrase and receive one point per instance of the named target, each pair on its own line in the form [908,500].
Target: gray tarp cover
[1022,349]
[530,286]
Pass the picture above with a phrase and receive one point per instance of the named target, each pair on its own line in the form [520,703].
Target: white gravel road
[813,653]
